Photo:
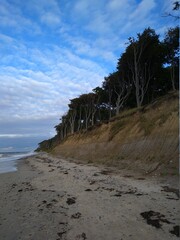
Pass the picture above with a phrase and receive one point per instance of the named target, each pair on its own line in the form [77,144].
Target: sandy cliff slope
[145,140]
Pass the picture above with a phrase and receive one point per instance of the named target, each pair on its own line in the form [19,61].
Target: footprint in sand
[81,236]
[71,201]
[76,215]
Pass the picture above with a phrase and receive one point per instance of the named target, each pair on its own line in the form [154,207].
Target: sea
[8,160]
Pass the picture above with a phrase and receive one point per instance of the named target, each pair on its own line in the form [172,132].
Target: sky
[54,50]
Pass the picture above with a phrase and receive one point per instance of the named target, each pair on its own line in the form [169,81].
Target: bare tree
[141,61]
[80,119]
[122,90]
[141,75]
[94,106]
[71,117]
[87,114]
[64,126]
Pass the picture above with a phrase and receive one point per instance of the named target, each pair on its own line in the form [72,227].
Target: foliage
[171,45]
[142,60]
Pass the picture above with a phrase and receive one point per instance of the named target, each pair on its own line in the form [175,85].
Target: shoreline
[9,161]
[52,198]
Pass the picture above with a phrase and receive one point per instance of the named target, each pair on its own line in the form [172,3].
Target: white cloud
[6,39]
[50,19]
[12,16]
[167,5]
[140,18]
[34,94]
[142,10]
[17,136]
[48,12]
[6,149]
[43,5]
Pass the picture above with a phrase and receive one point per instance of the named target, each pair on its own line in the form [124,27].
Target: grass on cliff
[116,127]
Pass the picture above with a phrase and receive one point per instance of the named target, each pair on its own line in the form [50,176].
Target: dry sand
[51,198]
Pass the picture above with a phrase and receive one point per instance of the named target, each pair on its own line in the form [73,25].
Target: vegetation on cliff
[146,70]
[141,139]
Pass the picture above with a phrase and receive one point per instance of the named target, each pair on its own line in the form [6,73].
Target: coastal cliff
[143,139]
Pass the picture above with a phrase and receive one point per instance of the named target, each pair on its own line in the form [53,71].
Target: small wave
[2,155]
[14,155]
[8,160]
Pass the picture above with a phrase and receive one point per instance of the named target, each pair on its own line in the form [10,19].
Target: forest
[146,70]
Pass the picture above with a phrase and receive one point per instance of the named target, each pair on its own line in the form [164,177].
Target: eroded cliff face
[145,140]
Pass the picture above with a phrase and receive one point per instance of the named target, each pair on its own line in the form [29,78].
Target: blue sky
[54,50]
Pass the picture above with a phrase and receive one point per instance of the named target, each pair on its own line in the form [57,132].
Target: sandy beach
[52,198]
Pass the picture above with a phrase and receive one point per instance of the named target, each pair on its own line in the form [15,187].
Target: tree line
[147,69]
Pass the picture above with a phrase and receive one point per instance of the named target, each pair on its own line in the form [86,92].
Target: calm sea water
[8,160]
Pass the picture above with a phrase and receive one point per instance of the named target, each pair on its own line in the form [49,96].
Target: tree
[119,89]
[171,43]
[102,103]
[89,106]
[71,117]
[176,5]
[142,59]
[107,86]
[64,126]
[76,105]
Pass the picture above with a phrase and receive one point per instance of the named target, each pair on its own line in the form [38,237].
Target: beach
[53,198]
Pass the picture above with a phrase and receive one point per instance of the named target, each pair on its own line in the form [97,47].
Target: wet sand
[51,198]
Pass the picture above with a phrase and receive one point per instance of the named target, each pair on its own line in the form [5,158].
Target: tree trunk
[79,121]
[110,96]
[173,77]
[117,105]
